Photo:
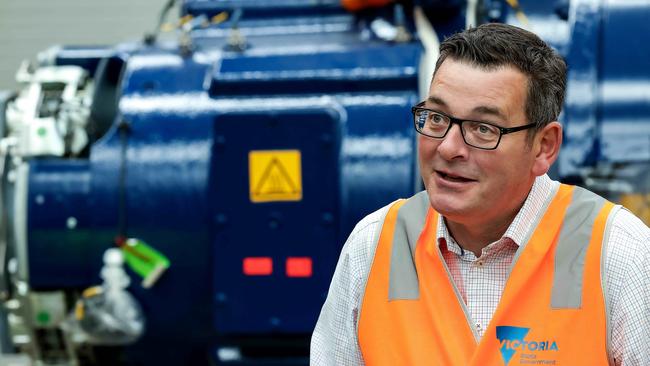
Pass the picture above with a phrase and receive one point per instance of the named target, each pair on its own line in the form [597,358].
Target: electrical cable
[124,130]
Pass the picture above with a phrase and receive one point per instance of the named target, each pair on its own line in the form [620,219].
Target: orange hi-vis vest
[552,310]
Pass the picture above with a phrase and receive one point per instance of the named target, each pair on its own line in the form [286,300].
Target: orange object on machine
[258,266]
[299,267]
[356,5]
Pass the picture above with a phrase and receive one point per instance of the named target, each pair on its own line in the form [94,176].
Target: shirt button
[478,325]
[479,263]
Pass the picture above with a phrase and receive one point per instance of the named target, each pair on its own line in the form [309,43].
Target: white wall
[30,26]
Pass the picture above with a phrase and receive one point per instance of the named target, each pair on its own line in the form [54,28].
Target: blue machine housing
[608,97]
[607,106]
[173,124]
[169,165]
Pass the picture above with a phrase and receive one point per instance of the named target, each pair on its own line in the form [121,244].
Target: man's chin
[450,207]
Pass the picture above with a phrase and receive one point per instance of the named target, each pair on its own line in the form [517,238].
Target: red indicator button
[258,266]
[299,267]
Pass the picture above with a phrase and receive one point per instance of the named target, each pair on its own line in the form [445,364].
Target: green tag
[43,318]
[144,260]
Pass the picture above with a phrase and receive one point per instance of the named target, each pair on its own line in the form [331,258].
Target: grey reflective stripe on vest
[575,235]
[403,282]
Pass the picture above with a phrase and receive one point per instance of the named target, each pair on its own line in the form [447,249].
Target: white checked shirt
[481,281]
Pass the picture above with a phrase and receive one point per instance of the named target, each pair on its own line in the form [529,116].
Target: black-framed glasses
[481,135]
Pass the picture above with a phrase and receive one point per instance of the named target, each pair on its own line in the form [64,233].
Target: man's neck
[475,233]
[477,236]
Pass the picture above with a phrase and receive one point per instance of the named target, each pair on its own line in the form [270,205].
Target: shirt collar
[521,225]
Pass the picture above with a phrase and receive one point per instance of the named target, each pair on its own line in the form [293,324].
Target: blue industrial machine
[240,147]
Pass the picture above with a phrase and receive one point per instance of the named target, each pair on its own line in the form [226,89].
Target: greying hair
[493,45]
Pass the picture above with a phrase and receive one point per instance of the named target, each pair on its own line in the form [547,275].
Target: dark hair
[494,45]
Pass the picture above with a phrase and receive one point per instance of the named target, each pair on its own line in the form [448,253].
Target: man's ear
[546,146]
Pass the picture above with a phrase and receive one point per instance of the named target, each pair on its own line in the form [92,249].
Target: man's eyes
[484,128]
[437,118]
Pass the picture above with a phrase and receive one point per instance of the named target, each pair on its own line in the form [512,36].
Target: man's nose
[453,145]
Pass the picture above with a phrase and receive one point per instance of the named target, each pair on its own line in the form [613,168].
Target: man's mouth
[453,177]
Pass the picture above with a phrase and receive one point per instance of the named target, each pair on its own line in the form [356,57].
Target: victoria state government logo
[531,352]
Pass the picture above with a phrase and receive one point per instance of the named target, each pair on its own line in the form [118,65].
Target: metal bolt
[71,223]
[327,218]
[229,354]
[221,297]
[220,140]
[12,266]
[22,288]
[494,14]
[326,139]
[275,321]
[220,219]
[21,339]
[12,304]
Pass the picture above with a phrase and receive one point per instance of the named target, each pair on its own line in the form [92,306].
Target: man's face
[466,184]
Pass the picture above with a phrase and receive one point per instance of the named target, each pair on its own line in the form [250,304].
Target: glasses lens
[481,135]
[431,123]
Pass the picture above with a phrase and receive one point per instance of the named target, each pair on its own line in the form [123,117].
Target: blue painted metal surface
[607,105]
[279,230]
[547,19]
[59,215]
[580,127]
[188,122]
[309,78]
[607,114]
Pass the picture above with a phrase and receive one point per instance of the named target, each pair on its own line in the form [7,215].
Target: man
[495,263]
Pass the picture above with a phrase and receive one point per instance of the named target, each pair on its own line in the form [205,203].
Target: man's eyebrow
[484,109]
[435,100]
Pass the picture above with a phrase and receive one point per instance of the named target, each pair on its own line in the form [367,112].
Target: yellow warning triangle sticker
[275,180]
[275,175]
